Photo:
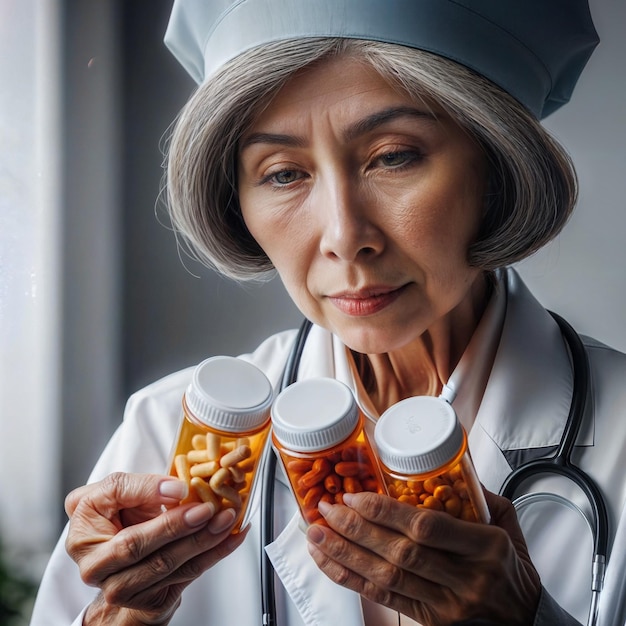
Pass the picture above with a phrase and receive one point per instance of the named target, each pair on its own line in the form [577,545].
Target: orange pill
[332,483]
[432,503]
[453,505]
[430,484]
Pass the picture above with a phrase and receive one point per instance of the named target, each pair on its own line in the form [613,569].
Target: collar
[528,394]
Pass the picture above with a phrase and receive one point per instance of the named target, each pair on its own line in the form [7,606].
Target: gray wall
[175,311]
[583,273]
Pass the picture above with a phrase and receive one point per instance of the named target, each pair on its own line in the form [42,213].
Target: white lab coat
[522,413]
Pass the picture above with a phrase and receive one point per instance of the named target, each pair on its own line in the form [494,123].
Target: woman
[390,188]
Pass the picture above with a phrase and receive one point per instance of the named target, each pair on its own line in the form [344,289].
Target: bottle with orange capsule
[422,448]
[317,431]
[222,435]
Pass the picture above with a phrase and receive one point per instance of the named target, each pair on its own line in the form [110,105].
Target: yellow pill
[213,445]
[181,464]
[235,456]
[198,442]
[205,492]
[204,470]
[219,484]
[198,456]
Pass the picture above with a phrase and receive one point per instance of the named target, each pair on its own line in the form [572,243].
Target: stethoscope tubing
[561,464]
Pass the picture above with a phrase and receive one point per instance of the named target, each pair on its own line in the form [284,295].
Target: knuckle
[342,551]
[501,542]
[406,553]
[376,507]
[352,524]
[192,569]
[341,576]
[128,547]
[89,573]
[114,482]
[114,593]
[376,594]
[390,576]
[425,526]
[161,564]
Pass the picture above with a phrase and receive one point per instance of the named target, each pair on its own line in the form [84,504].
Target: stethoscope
[559,463]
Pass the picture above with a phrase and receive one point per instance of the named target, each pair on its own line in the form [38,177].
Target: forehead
[339,84]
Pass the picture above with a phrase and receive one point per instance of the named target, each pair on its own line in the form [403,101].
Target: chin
[374,341]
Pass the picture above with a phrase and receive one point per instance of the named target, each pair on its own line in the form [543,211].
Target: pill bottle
[423,454]
[223,431]
[317,432]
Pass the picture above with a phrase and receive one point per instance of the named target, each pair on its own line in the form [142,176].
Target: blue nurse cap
[534,49]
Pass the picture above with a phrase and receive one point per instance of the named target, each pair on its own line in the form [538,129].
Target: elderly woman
[386,159]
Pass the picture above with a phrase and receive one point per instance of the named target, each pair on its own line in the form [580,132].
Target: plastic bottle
[223,431]
[317,431]
[422,448]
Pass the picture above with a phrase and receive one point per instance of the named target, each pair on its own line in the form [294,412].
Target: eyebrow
[358,128]
[373,121]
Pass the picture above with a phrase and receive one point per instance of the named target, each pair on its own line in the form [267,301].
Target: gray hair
[532,185]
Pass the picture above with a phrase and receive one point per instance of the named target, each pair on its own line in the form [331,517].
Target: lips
[366,301]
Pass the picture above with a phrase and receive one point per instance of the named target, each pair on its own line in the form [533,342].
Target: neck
[425,364]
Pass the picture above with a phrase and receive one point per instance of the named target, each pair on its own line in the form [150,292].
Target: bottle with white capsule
[222,435]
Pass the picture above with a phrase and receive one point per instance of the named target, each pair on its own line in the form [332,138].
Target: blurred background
[96,300]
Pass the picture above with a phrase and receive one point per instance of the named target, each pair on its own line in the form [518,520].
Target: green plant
[16,593]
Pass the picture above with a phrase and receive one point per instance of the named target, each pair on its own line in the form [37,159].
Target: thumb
[503,514]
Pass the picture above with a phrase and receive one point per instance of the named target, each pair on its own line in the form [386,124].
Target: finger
[122,491]
[435,529]
[129,588]
[98,559]
[503,514]
[366,573]
[398,551]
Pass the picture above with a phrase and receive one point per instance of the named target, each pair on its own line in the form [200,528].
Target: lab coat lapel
[319,600]
[527,398]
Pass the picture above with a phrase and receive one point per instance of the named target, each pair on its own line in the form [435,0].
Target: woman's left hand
[434,568]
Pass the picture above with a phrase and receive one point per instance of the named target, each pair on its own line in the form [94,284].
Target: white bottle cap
[314,414]
[229,394]
[418,435]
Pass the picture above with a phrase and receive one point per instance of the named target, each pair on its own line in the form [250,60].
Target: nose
[349,222]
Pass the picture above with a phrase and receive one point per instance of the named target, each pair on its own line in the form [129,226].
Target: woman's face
[366,202]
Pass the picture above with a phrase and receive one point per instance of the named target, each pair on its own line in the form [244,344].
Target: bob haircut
[531,188]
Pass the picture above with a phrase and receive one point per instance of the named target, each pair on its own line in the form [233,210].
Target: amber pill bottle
[317,432]
[223,431]
[422,448]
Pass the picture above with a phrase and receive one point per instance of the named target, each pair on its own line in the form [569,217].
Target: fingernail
[175,489]
[348,498]
[199,514]
[222,521]
[323,507]
[315,534]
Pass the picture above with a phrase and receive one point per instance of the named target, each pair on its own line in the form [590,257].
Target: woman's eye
[397,159]
[284,177]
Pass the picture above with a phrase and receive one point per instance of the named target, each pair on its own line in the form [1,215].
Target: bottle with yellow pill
[425,461]
[317,431]
[222,435]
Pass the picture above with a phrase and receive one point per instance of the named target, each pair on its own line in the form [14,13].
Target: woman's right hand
[131,539]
